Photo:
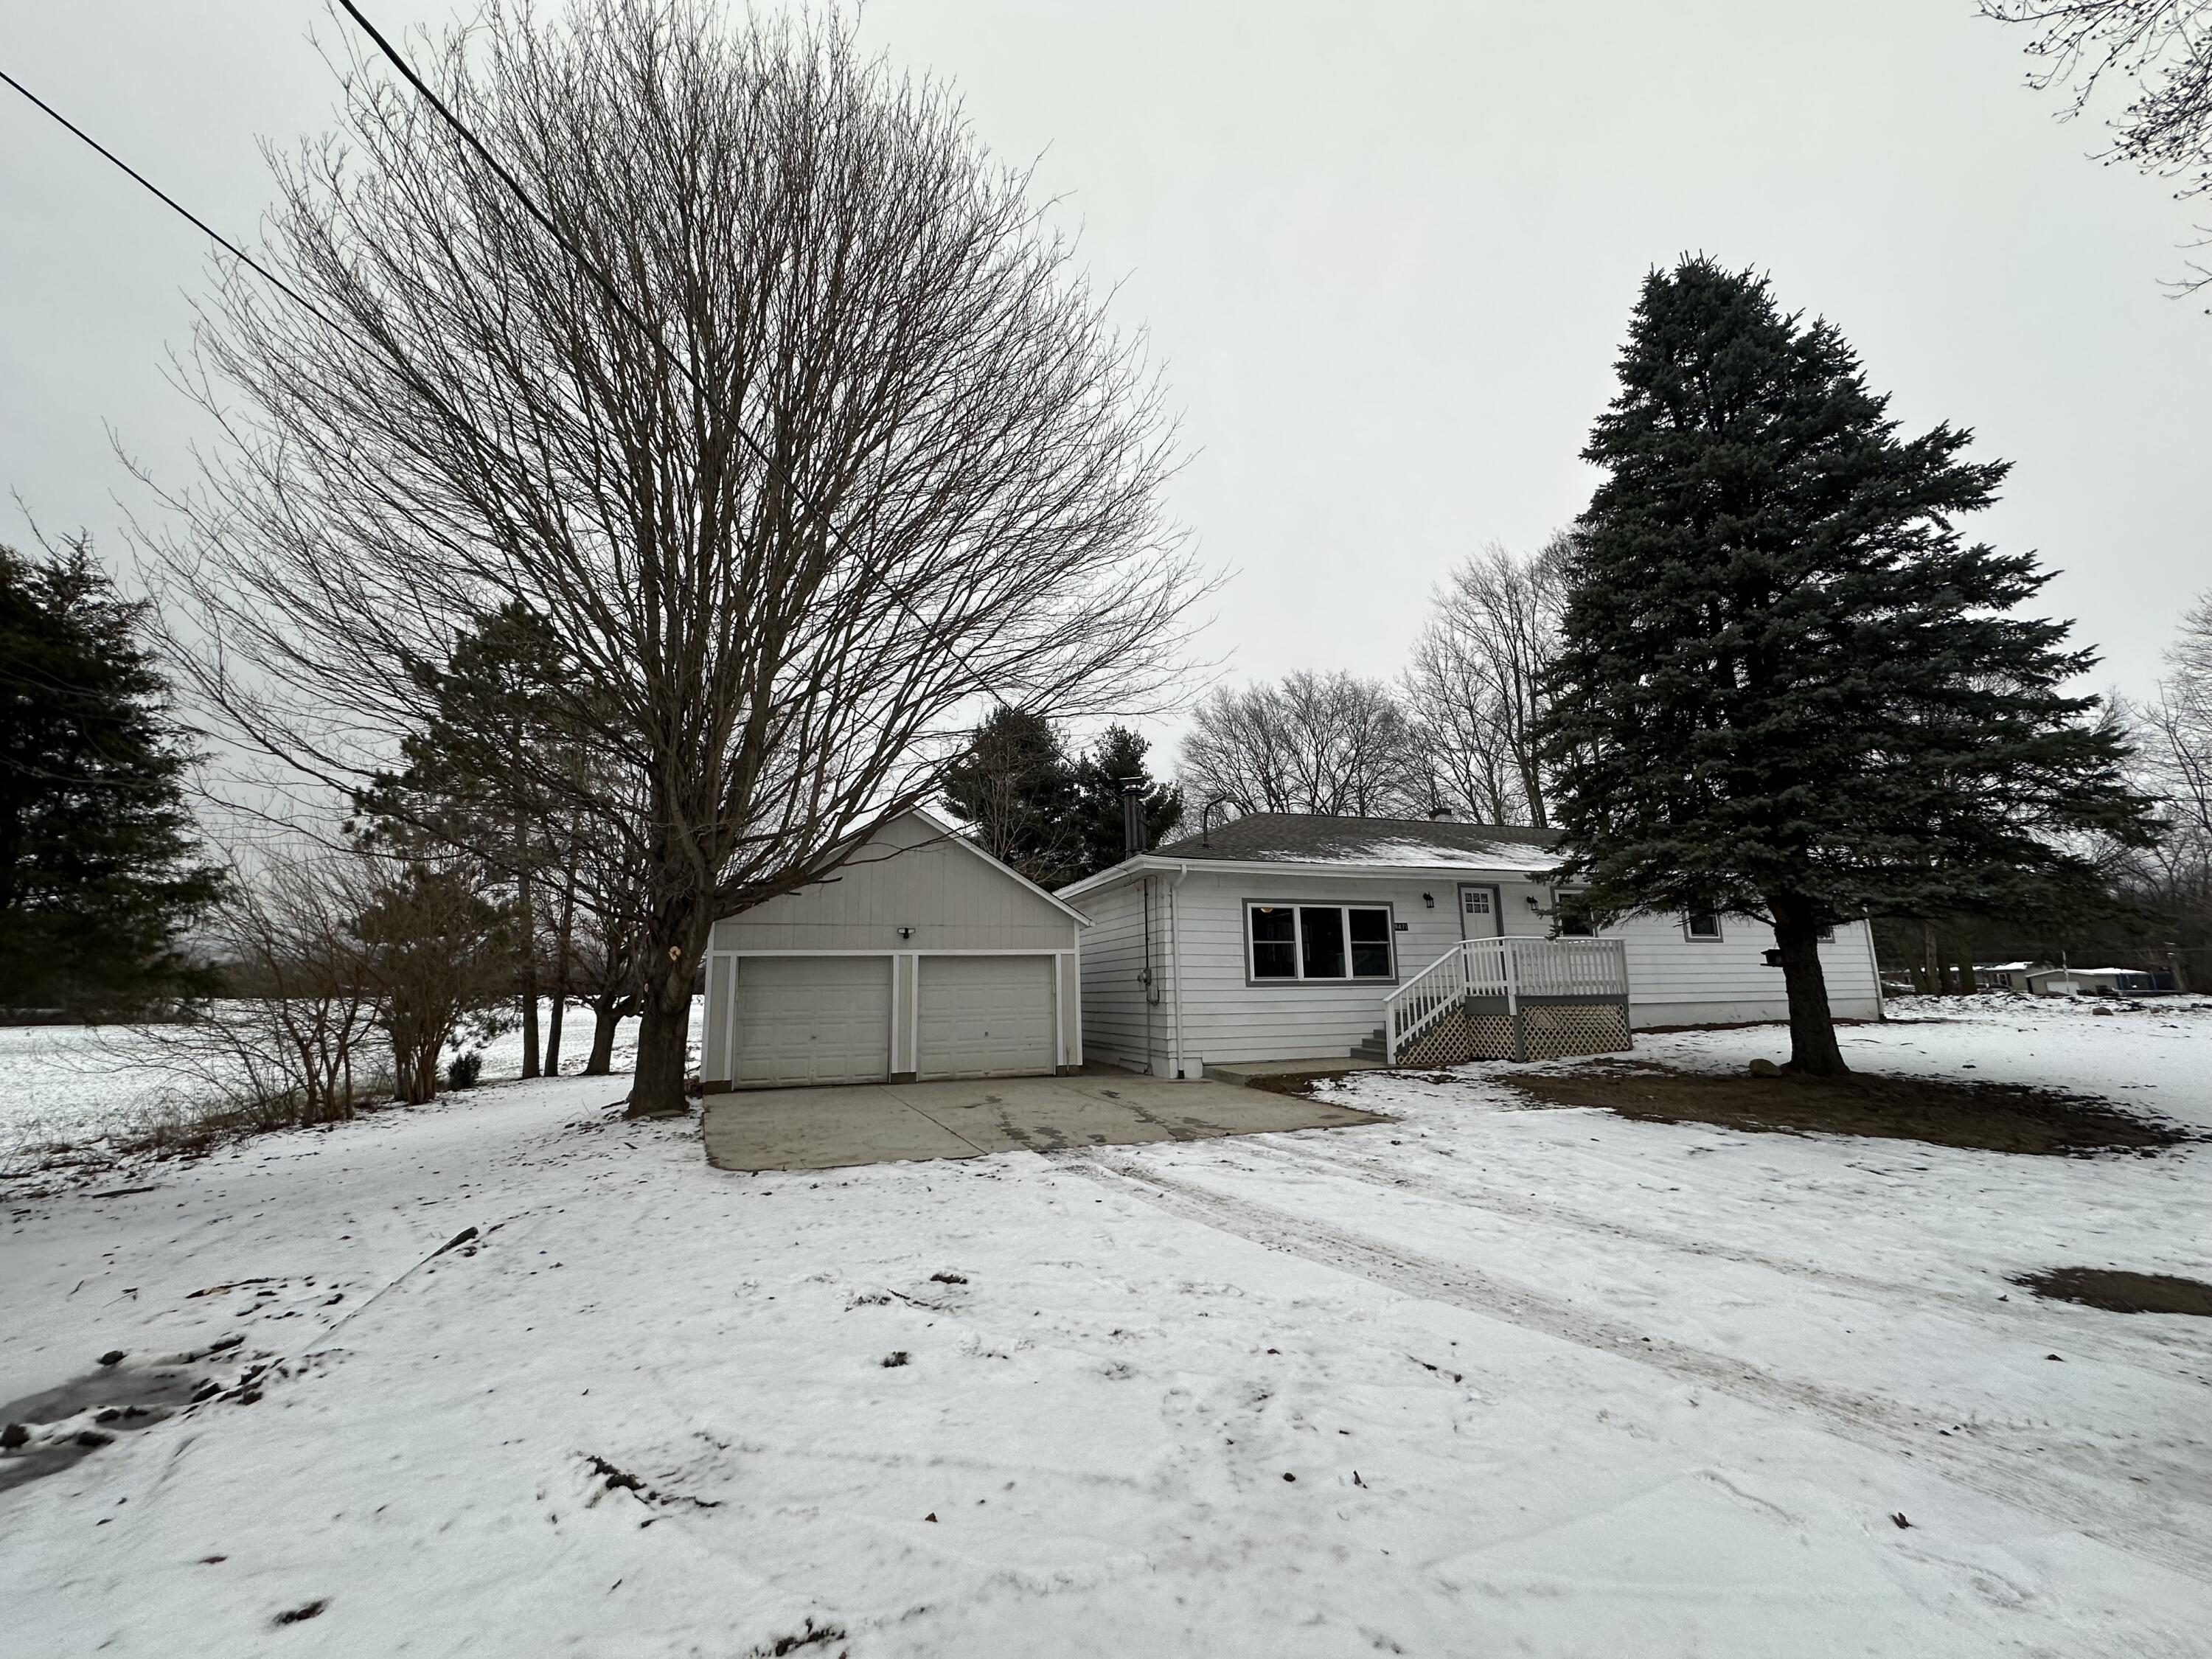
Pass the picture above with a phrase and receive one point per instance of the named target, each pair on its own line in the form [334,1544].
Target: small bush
[463,1070]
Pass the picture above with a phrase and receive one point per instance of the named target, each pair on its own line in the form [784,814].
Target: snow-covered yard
[71,1083]
[1483,1380]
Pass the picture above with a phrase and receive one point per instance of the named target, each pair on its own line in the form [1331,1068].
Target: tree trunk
[528,962]
[415,1073]
[606,1016]
[1813,1051]
[1966,960]
[663,1034]
[562,936]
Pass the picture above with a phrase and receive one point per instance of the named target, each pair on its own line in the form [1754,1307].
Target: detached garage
[922,958]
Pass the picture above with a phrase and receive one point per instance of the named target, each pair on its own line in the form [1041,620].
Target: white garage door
[986,1017]
[813,1019]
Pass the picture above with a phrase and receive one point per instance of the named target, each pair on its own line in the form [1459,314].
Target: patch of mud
[1991,1117]
[48,1431]
[1299,1084]
[2116,1291]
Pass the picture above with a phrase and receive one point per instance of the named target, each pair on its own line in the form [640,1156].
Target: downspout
[1174,969]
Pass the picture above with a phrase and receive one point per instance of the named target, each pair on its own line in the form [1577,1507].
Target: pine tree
[1098,774]
[1015,789]
[1787,688]
[468,784]
[101,872]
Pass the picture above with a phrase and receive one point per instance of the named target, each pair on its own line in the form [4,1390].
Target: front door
[1477,911]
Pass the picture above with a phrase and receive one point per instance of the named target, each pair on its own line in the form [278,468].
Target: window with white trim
[1318,941]
[1703,926]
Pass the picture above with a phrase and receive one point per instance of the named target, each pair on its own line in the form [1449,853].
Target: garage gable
[915,885]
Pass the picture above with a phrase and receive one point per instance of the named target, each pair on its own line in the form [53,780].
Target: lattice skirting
[1547,1033]
[1579,1028]
[1460,1036]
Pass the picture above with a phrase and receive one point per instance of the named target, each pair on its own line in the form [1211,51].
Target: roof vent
[1439,813]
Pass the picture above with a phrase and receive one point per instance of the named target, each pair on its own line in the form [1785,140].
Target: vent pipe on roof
[1132,817]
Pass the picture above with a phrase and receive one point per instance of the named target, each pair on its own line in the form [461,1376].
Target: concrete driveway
[893,1122]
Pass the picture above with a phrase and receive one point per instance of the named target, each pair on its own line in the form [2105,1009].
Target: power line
[605,284]
[175,206]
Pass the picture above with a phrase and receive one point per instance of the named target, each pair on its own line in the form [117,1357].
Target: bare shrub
[284,1047]
[436,952]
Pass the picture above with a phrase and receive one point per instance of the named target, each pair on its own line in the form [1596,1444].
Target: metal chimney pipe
[1132,817]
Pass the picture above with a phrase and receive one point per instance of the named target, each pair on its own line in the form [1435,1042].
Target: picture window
[1320,942]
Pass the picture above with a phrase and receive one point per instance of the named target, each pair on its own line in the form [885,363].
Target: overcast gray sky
[1386,252]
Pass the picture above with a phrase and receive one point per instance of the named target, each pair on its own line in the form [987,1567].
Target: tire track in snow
[1380,1173]
[2177,1535]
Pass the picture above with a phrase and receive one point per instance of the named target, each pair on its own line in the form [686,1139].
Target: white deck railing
[1511,968]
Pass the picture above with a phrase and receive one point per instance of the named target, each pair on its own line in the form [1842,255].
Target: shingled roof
[1415,843]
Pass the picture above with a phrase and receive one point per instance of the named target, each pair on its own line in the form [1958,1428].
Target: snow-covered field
[1480,1380]
[71,1083]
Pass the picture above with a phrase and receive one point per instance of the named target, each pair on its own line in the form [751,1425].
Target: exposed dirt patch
[2122,1292]
[1990,1117]
[1303,1085]
[1295,1083]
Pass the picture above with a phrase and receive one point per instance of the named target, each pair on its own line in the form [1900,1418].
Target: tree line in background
[1456,735]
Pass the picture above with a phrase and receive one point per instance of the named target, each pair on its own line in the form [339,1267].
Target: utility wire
[177,207]
[599,277]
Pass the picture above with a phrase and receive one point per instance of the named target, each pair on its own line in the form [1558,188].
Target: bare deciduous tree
[1475,684]
[2173,878]
[282,1045]
[1315,743]
[846,453]
[2162,49]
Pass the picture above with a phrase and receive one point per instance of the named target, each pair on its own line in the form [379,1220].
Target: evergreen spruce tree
[1787,688]
[100,873]
[1015,790]
[1119,754]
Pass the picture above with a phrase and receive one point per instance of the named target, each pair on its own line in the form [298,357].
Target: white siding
[1116,1018]
[1673,980]
[1227,1018]
[909,877]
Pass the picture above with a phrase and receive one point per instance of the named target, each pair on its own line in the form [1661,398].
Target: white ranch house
[1277,937]
[1285,936]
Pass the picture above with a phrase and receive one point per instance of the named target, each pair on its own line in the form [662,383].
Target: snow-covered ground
[1482,1380]
[72,1082]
